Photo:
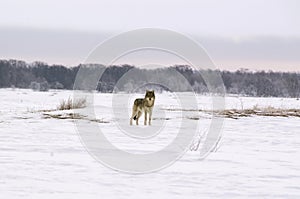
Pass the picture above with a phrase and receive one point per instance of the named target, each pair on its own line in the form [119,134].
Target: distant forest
[41,76]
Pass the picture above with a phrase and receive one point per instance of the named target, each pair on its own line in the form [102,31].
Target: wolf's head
[150,97]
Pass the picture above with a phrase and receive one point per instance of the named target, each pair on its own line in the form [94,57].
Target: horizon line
[244,69]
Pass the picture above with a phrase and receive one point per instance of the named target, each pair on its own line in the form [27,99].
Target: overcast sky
[236,34]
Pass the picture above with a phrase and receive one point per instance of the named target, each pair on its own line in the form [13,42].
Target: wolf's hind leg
[130,121]
[133,116]
[138,117]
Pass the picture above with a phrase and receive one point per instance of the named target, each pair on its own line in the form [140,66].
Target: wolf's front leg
[150,117]
[145,121]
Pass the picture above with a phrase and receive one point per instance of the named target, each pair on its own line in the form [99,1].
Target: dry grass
[70,104]
[255,111]
[266,111]
[64,116]
[161,118]
[98,121]
[72,116]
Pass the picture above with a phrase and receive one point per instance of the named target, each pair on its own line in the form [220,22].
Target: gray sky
[237,34]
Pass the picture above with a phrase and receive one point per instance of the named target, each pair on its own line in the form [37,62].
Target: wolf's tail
[134,117]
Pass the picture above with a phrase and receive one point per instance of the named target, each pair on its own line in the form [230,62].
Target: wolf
[143,105]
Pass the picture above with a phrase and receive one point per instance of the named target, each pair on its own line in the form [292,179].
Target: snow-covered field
[43,157]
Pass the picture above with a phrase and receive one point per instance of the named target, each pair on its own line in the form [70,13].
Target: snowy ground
[40,157]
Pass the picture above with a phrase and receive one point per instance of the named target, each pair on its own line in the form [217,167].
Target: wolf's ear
[152,91]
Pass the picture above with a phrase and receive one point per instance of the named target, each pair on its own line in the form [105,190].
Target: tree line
[41,76]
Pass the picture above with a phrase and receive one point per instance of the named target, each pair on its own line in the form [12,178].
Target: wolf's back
[138,102]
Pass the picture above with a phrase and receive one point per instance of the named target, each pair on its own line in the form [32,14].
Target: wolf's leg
[134,114]
[138,117]
[145,120]
[131,120]
[132,117]
[150,117]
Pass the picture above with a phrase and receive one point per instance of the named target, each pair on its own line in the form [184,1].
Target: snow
[259,157]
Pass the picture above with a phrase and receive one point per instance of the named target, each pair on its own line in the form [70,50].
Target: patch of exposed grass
[22,117]
[255,111]
[265,111]
[64,116]
[75,116]
[193,118]
[98,120]
[72,104]
[161,118]
[179,109]
[47,110]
